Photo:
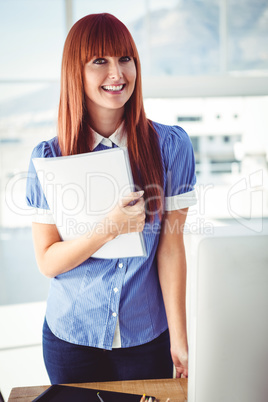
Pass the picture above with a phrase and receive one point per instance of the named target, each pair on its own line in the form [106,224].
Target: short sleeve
[180,170]
[34,194]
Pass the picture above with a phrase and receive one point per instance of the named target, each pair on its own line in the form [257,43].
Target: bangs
[107,36]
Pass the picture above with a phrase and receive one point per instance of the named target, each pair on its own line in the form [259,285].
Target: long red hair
[100,35]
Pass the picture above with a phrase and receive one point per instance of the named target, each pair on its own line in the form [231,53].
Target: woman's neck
[105,121]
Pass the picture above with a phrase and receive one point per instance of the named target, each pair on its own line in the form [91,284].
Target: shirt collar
[119,138]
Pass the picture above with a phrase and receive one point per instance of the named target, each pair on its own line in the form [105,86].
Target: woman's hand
[180,360]
[172,276]
[55,257]
[128,215]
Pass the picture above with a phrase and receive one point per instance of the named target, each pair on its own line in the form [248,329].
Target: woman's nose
[115,72]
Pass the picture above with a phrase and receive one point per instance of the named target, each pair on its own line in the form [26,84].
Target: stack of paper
[82,189]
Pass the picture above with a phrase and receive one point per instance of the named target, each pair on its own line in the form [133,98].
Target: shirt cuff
[40,215]
[180,201]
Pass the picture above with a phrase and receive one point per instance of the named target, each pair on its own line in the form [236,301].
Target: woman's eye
[125,58]
[99,61]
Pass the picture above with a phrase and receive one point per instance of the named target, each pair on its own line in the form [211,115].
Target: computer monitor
[228,314]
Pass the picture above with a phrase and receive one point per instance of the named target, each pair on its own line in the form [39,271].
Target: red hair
[100,35]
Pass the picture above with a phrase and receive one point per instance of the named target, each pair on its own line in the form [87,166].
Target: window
[247,35]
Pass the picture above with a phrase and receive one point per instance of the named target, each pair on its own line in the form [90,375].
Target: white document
[82,189]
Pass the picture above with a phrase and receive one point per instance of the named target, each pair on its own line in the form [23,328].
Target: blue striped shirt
[85,304]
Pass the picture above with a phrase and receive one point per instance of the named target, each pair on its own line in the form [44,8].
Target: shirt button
[114,314]
[115,290]
[121,265]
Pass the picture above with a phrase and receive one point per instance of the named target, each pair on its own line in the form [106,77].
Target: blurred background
[205,68]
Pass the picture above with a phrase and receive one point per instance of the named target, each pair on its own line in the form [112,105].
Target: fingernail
[140,193]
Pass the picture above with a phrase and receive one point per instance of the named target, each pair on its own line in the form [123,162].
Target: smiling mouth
[113,88]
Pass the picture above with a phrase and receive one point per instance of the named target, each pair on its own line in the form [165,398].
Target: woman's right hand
[55,256]
[128,215]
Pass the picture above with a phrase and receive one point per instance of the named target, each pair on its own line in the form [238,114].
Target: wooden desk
[175,389]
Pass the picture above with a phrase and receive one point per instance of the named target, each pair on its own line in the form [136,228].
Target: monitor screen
[228,314]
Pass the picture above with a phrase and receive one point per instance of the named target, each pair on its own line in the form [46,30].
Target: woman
[108,319]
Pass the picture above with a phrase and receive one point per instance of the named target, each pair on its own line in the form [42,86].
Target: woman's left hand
[180,360]
[171,261]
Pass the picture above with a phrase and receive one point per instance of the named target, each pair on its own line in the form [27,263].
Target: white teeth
[113,87]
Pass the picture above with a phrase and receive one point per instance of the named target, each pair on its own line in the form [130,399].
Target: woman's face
[109,82]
